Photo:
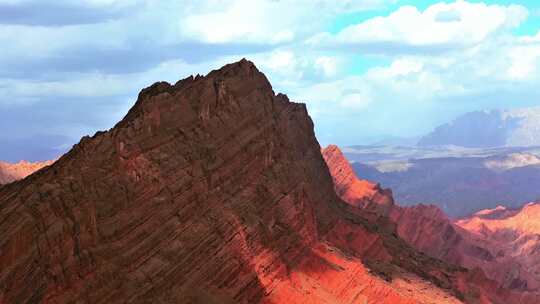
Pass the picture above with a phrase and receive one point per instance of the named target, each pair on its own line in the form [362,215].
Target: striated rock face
[425,227]
[358,192]
[12,172]
[513,236]
[428,229]
[212,190]
[502,243]
[495,222]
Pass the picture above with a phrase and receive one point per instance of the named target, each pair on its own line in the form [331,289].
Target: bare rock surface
[513,237]
[211,190]
[10,172]
[358,192]
[499,245]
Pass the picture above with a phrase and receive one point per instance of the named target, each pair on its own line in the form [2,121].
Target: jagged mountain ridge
[513,235]
[212,190]
[10,172]
[482,241]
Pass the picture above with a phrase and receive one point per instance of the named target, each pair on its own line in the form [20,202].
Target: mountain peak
[212,190]
[10,172]
[218,90]
[503,220]
[241,68]
[205,192]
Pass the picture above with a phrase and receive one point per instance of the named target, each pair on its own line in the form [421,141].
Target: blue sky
[367,69]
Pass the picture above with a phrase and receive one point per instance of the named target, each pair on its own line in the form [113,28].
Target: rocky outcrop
[513,236]
[425,227]
[358,192]
[11,172]
[211,190]
[497,244]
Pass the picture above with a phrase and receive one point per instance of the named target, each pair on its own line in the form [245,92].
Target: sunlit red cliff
[358,192]
[502,244]
[212,190]
[513,237]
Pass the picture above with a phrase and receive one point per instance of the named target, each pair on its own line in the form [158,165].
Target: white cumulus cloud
[443,25]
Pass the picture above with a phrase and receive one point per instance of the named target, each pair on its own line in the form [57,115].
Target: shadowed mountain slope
[212,190]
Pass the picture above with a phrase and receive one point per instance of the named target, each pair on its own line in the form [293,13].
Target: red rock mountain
[358,192]
[211,190]
[502,243]
[12,172]
[513,239]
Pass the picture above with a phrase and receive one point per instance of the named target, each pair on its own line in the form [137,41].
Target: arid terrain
[460,181]
[213,190]
[501,243]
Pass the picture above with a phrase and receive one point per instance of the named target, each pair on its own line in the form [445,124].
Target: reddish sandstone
[211,190]
[358,192]
[502,243]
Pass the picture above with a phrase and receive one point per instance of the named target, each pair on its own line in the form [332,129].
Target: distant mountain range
[502,243]
[478,161]
[12,172]
[460,181]
[496,128]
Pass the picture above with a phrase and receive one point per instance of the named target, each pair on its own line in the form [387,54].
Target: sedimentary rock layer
[211,190]
[500,244]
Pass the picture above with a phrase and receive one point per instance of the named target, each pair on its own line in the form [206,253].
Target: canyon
[501,243]
[214,190]
[460,181]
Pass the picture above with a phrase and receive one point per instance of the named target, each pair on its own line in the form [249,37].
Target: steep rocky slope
[212,190]
[358,192]
[425,227]
[12,172]
[513,236]
[471,243]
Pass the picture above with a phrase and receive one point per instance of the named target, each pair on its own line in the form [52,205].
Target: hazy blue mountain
[496,128]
